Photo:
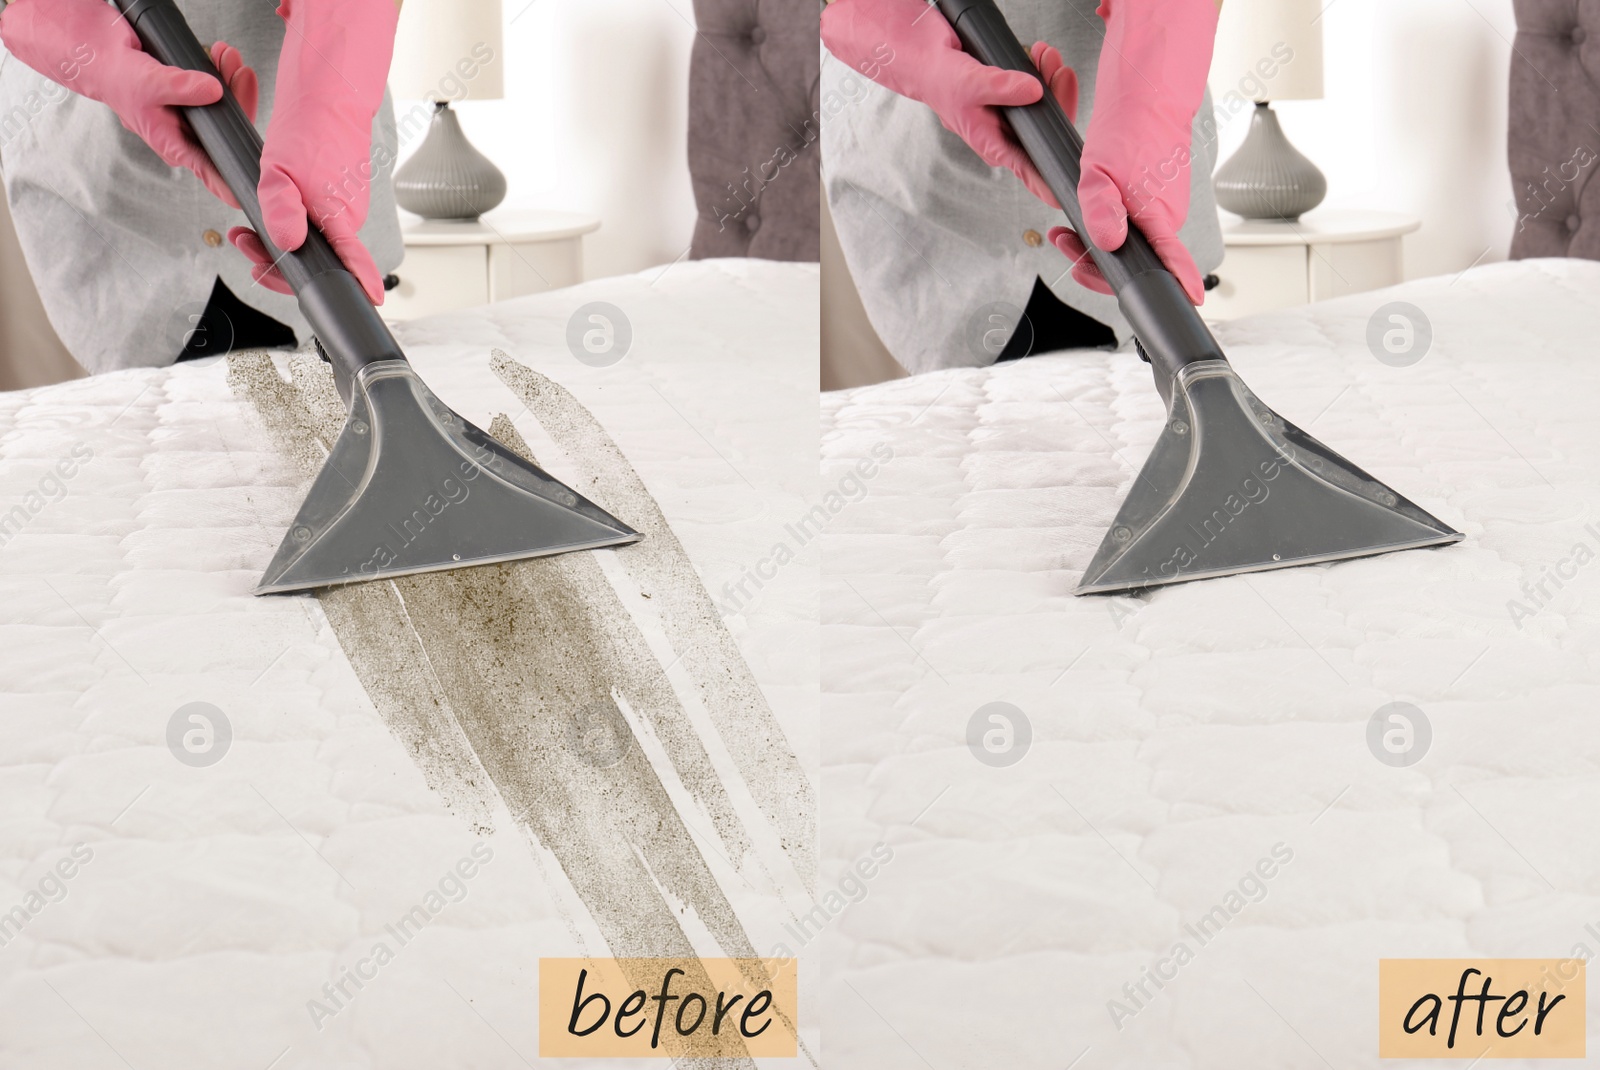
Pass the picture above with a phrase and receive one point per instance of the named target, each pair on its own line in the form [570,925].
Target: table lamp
[445,51]
[1268,50]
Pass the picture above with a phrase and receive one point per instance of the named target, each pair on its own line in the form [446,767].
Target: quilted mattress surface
[176,915]
[1199,766]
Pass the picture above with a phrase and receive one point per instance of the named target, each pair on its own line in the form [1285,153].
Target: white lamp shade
[448,50]
[1268,50]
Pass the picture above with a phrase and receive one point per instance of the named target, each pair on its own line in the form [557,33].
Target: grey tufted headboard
[1554,137]
[753,129]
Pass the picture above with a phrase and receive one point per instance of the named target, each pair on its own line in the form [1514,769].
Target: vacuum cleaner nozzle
[446,495]
[1233,487]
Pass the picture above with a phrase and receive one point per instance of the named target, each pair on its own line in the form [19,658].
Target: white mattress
[1178,737]
[218,900]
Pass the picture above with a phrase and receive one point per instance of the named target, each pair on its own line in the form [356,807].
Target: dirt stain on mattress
[368,618]
[505,682]
[743,719]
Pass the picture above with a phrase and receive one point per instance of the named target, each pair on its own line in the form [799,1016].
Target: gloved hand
[1136,153]
[86,46]
[317,164]
[907,47]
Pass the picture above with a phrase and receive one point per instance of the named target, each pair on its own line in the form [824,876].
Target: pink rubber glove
[1136,152]
[317,164]
[907,47]
[86,46]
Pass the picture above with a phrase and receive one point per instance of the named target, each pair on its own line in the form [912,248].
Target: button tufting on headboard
[753,129]
[1553,144]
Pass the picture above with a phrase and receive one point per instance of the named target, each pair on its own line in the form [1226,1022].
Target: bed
[1175,741]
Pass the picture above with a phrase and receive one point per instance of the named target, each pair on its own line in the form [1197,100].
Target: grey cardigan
[944,248]
[124,249]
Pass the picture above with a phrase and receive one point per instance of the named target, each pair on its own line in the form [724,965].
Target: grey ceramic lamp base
[446,178]
[1268,178]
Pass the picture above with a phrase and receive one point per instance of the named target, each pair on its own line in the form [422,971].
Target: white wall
[1413,119]
[595,120]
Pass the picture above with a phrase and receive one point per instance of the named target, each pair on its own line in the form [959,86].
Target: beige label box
[650,1008]
[1481,1008]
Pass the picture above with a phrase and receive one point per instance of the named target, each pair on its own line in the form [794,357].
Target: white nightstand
[1323,254]
[507,253]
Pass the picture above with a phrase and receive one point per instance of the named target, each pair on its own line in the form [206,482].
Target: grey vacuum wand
[1230,486]
[1167,325]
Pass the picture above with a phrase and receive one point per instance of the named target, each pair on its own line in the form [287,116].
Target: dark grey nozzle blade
[1233,487]
[410,486]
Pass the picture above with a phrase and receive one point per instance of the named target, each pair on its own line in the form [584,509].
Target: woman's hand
[1136,154]
[907,47]
[317,164]
[88,47]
